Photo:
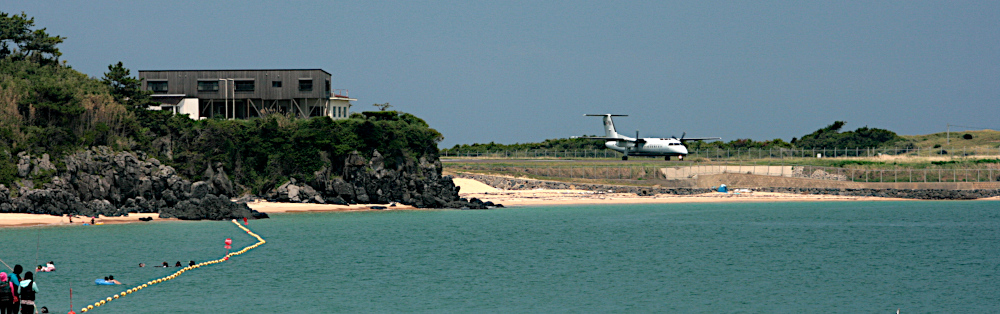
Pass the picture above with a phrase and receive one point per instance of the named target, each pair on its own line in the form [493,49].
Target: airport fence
[738,154]
[652,172]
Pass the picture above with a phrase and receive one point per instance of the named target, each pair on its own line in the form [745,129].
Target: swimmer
[164,265]
[112,279]
[178,264]
[142,264]
[191,263]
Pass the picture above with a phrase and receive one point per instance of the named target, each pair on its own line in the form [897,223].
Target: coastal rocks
[99,181]
[418,183]
[505,183]
[213,207]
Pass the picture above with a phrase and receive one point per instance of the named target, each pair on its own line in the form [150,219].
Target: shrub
[967,136]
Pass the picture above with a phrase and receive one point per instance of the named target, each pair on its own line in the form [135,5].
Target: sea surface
[835,257]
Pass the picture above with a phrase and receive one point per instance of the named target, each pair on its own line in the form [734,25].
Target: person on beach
[8,295]
[27,292]
[112,279]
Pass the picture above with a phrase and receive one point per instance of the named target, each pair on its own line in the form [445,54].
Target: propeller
[682,136]
[638,140]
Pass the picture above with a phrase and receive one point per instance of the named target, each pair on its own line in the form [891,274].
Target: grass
[981,138]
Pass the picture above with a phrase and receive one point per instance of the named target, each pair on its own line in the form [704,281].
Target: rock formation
[416,183]
[99,181]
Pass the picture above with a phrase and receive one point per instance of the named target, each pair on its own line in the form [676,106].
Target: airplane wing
[630,140]
[685,139]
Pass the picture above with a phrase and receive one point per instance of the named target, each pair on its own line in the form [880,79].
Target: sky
[525,71]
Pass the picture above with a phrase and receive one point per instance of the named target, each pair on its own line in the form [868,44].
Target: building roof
[207,70]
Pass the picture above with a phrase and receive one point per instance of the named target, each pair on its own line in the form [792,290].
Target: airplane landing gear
[680,157]
[667,158]
[625,157]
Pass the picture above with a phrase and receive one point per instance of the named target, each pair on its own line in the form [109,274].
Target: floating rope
[260,241]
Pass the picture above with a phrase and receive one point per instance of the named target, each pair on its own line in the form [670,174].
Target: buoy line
[260,241]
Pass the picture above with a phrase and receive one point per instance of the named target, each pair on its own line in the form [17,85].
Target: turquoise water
[844,257]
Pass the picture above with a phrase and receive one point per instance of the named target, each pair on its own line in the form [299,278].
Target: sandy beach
[27,220]
[470,189]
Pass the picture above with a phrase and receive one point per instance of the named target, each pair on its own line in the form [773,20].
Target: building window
[244,85]
[305,85]
[158,87]
[275,83]
[208,86]
[327,86]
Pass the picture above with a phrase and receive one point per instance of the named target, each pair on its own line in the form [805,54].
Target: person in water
[178,264]
[191,263]
[164,265]
[112,279]
[8,295]
[27,291]
[48,267]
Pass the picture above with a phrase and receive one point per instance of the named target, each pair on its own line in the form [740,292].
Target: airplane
[636,146]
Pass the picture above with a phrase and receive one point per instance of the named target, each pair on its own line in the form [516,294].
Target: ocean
[841,257]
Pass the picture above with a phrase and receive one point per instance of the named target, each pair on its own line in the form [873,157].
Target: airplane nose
[684,150]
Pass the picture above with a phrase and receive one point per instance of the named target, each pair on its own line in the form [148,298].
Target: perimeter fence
[991,173]
[739,153]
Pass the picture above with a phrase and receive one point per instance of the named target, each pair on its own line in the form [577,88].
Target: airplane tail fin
[609,125]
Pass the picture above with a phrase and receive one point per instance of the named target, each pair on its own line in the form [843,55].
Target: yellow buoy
[109,299]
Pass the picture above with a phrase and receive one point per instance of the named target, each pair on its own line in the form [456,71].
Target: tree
[382,107]
[125,89]
[33,45]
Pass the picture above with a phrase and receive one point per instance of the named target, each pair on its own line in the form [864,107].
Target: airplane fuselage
[651,147]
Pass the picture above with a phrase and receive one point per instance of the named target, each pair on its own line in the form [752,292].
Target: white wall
[339,108]
[189,106]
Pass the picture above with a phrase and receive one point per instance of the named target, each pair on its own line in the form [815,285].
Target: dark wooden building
[241,94]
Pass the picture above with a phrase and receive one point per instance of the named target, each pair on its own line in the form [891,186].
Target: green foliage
[973,161]
[549,144]
[831,137]
[125,89]
[19,42]
[265,152]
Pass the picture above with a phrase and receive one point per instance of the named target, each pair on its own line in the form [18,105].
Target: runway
[631,160]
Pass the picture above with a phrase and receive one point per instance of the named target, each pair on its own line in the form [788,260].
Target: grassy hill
[981,138]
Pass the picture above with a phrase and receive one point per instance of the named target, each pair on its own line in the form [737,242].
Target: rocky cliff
[417,183]
[99,181]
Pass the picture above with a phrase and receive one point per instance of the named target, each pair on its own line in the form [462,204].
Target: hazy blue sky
[525,71]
